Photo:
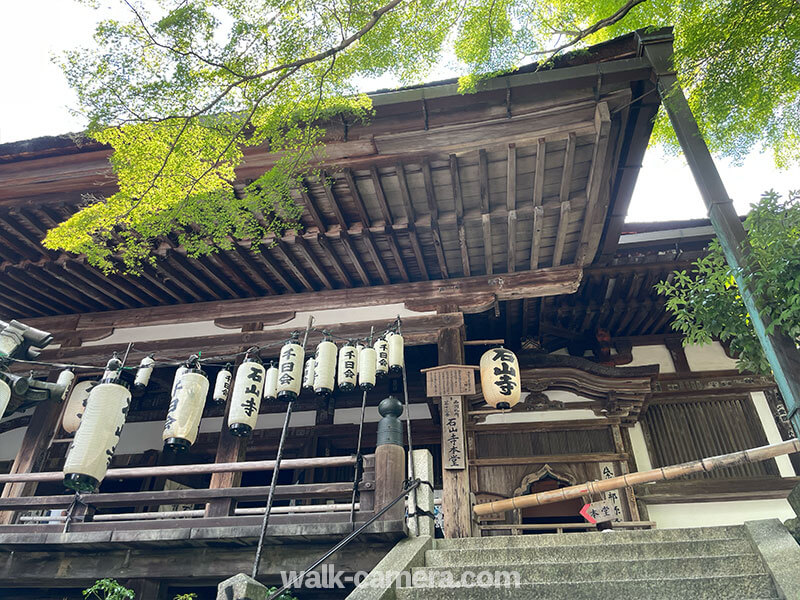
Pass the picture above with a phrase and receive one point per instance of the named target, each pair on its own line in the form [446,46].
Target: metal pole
[413,493]
[359,463]
[276,470]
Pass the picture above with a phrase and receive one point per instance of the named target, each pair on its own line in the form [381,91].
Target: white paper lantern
[143,374]
[271,386]
[308,374]
[346,376]
[112,371]
[5,396]
[185,410]
[325,368]
[382,353]
[359,347]
[396,358]
[180,371]
[248,388]
[222,385]
[76,405]
[290,371]
[367,363]
[96,439]
[65,378]
[500,381]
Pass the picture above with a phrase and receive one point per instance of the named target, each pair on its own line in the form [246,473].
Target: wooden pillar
[230,448]
[147,589]
[630,497]
[780,350]
[456,503]
[35,444]
[390,459]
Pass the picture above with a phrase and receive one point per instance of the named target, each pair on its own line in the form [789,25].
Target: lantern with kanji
[248,388]
[347,368]
[500,381]
[290,370]
[98,434]
[308,374]
[325,368]
[222,385]
[185,409]
[382,357]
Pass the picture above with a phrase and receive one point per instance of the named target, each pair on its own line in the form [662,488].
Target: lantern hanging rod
[661,474]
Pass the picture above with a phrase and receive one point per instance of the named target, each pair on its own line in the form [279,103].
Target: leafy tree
[108,589]
[184,87]
[706,302]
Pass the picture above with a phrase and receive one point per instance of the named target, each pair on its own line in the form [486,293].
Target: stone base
[241,587]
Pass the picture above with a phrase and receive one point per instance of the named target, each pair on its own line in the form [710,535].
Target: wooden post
[230,448]
[780,350]
[147,589]
[456,502]
[32,452]
[390,459]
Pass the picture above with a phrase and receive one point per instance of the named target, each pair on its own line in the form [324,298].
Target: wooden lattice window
[682,431]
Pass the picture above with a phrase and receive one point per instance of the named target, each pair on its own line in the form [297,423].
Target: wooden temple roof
[533,172]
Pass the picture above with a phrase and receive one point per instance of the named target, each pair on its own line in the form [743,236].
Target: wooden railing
[101,510]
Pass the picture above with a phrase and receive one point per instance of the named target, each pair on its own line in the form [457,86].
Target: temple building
[448,225]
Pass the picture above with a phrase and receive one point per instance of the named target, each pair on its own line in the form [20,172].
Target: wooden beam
[327,247]
[87,276]
[566,172]
[538,175]
[511,178]
[361,269]
[550,458]
[483,177]
[334,203]
[155,279]
[344,234]
[32,293]
[512,241]
[463,292]
[455,181]
[283,251]
[391,239]
[594,185]
[488,255]
[382,203]
[430,194]
[536,235]
[181,263]
[308,202]
[210,271]
[377,260]
[301,243]
[244,260]
[408,206]
[263,256]
[416,330]
[359,202]
[561,235]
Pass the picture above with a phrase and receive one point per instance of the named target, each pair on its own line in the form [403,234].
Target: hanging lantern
[325,368]
[290,371]
[65,378]
[271,386]
[112,369]
[500,378]
[185,410]
[76,405]
[367,363]
[347,368]
[5,396]
[143,374]
[222,385]
[308,374]
[396,358]
[382,355]
[359,348]
[96,439]
[246,399]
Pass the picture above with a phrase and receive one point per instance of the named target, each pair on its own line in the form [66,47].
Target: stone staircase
[719,563]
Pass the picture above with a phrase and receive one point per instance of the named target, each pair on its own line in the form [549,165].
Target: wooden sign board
[452,433]
[450,380]
[599,512]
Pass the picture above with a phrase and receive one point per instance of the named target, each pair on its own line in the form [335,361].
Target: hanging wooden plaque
[452,433]
[450,380]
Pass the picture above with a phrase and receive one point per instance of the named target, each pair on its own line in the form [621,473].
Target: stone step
[571,539]
[586,553]
[743,587]
[555,572]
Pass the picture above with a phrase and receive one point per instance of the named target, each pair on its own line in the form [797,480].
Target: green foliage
[706,303]
[183,88]
[108,589]
[191,596]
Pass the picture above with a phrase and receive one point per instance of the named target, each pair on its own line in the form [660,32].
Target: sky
[35,101]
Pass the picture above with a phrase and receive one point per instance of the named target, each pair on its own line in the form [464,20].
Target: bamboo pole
[170,470]
[661,474]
